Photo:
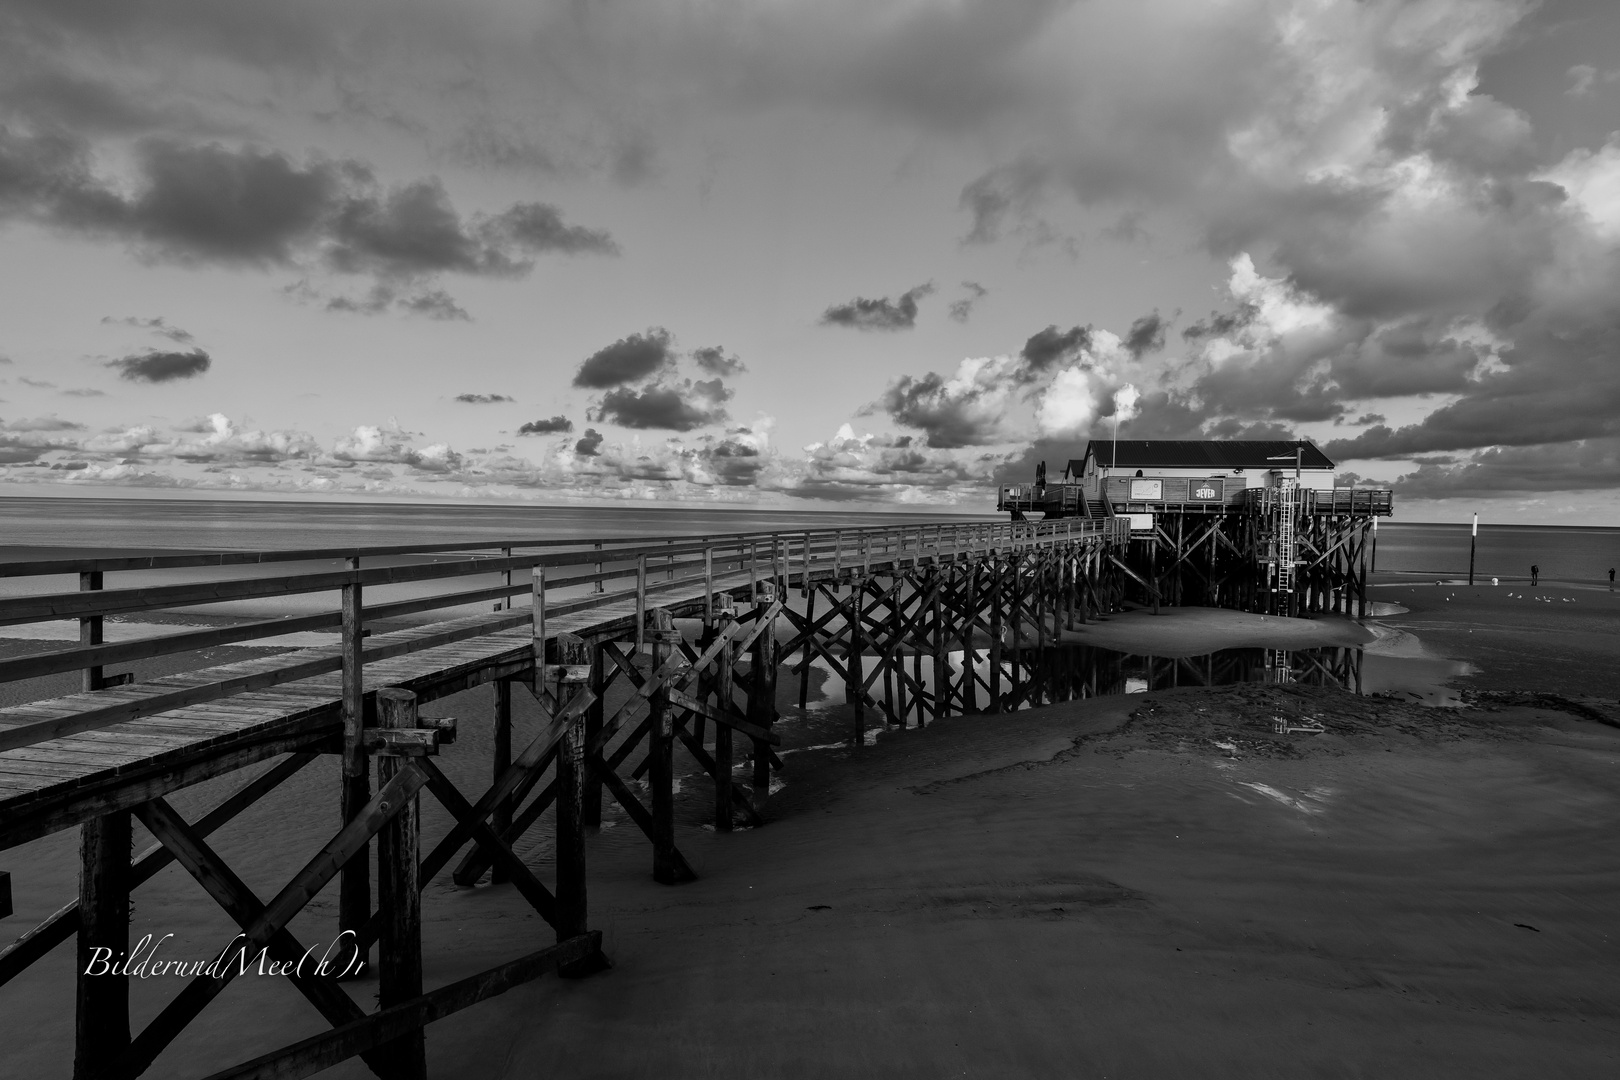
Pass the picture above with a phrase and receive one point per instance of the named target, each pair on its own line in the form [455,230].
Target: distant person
[1535,572]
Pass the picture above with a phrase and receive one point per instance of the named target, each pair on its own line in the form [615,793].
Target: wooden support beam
[500,818]
[399,897]
[571,907]
[102,1015]
[354,888]
[724,700]
[309,881]
[668,866]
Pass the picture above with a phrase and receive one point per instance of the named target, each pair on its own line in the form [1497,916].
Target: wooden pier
[678,633]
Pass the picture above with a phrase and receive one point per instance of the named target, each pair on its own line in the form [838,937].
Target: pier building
[1258,524]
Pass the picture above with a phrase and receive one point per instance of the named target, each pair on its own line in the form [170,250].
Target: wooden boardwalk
[598,615]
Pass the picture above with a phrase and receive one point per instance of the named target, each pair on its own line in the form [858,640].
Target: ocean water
[1564,553]
[33,527]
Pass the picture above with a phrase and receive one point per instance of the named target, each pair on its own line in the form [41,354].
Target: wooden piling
[724,690]
[500,819]
[102,1019]
[354,886]
[572,674]
[399,897]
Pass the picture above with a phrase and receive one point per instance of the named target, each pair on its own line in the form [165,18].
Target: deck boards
[58,783]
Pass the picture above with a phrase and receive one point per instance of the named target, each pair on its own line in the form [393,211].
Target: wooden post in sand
[102,1022]
[572,672]
[399,896]
[724,700]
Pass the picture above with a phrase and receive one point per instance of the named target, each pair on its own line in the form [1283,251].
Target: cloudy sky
[806,253]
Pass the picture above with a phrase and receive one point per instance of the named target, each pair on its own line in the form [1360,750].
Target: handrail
[646,567]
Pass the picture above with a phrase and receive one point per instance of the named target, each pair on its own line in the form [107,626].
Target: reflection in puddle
[1394,664]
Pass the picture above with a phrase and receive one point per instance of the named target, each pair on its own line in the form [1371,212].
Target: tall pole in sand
[1473,539]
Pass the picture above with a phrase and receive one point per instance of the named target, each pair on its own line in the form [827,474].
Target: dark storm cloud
[626,360]
[882,314]
[556,425]
[716,361]
[1052,346]
[1585,465]
[1146,335]
[590,444]
[961,309]
[158,367]
[209,203]
[157,325]
[665,406]
[482,399]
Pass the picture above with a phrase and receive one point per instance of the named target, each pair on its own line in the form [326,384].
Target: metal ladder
[1287,542]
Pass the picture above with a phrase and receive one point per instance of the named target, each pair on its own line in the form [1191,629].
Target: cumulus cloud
[716,361]
[881,314]
[589,444]
[483,399]
[962,309]
[158,367]
[390,445]
[666,406]
[627,360]
[556,425]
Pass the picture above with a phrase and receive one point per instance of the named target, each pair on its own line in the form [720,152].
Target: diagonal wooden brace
[309,881]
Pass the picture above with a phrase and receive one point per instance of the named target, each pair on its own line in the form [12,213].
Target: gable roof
[1204,454]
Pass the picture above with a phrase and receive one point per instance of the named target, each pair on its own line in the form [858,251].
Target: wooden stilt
[354,887]
[102,1019]
[591,814]
[725,699]
[762,694]
[500,760]
[399,898]
[572,678]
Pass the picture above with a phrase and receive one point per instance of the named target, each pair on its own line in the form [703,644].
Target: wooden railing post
[537,634]
[354,886]
[805,584]
[854,676]
[506,579]
[838,555]
[102,1018]
[90,630]
[601,586]
[399,897]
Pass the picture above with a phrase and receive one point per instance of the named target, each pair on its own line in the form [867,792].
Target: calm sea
[1564,553]
[34,528]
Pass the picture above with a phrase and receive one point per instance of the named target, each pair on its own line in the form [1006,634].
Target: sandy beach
[1142,885]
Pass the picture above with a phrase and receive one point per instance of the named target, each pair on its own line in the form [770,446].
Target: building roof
[1203,454]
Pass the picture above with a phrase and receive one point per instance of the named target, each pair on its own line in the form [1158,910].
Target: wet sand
[1152,885]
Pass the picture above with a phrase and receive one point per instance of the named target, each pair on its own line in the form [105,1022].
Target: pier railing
[560,576]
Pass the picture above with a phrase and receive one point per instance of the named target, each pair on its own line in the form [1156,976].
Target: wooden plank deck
[60,783]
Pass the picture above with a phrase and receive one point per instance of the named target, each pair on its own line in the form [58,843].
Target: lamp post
[1473,539]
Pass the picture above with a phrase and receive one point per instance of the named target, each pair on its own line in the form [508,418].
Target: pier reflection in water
[1070,672]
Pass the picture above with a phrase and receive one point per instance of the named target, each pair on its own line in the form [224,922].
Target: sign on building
[1211,490]
[1142,490]
[1140,522]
